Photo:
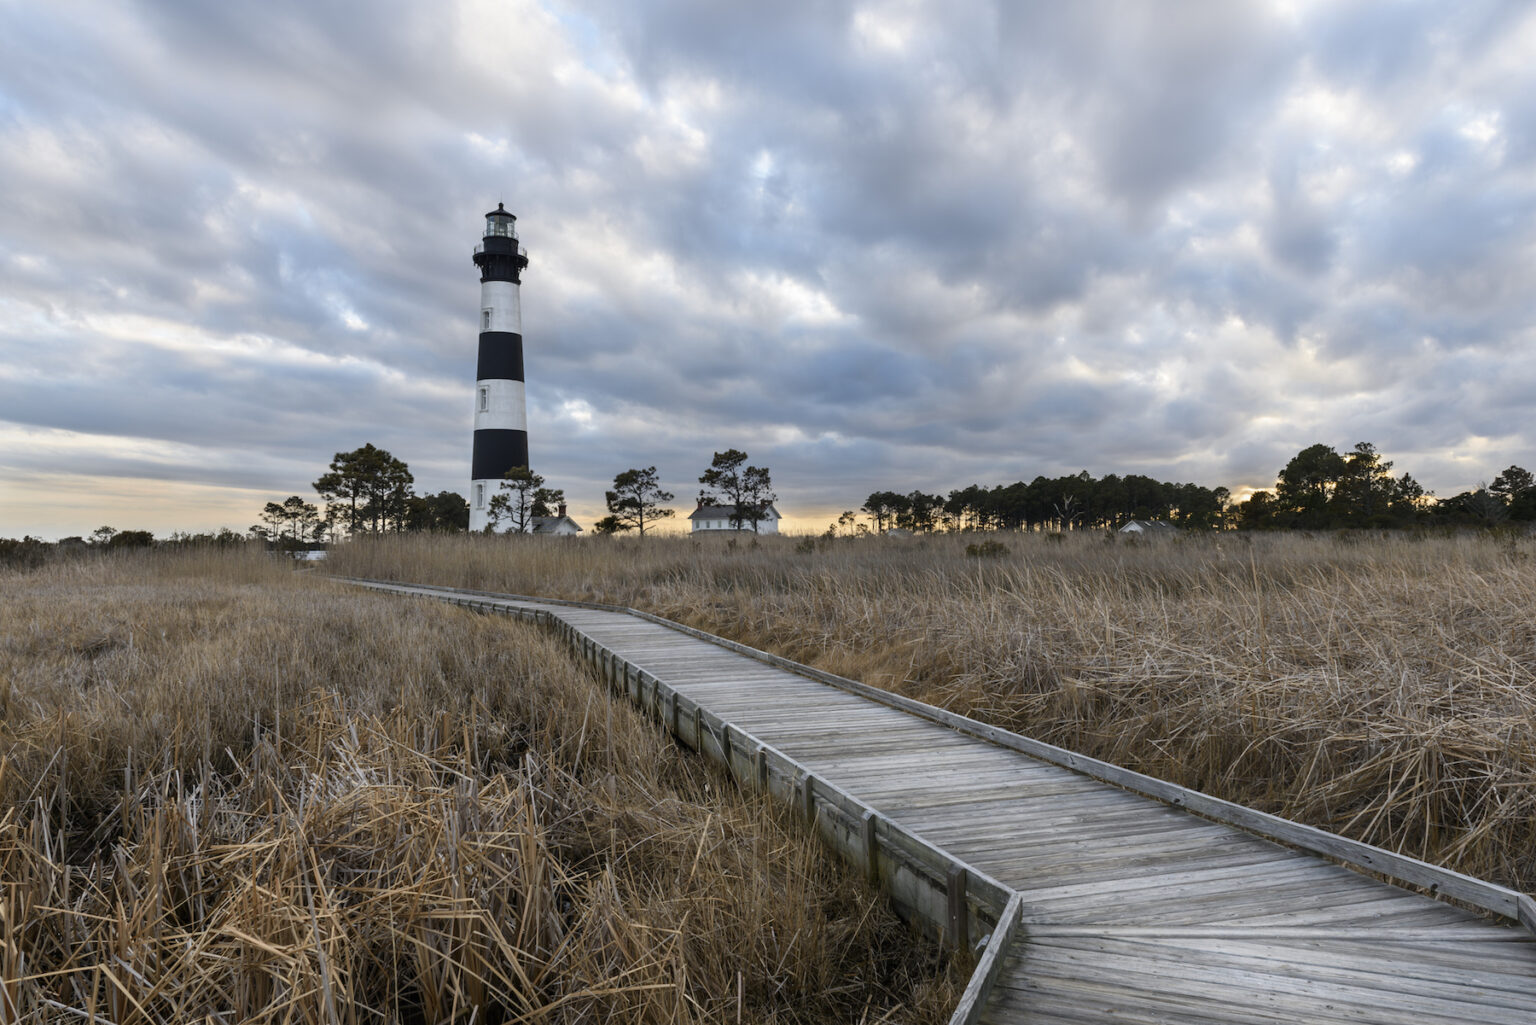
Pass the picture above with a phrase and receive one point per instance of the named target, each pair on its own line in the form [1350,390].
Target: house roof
[725,512]
[549,524]
[1141,526]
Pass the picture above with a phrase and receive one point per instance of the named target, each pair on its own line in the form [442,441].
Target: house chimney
[562,510]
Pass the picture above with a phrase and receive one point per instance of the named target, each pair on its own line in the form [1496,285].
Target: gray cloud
[878,244]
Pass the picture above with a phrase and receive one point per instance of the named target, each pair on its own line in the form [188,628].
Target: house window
[485,399]
[485,320]
[479,496]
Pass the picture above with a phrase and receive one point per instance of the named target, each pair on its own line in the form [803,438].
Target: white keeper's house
[708,518]
[559,524]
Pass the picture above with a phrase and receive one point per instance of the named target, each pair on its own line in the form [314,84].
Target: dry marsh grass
[232,793]
[1383,687]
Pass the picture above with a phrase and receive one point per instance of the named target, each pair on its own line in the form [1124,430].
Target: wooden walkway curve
[1095,894]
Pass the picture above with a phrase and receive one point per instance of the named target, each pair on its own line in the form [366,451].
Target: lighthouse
[501,412]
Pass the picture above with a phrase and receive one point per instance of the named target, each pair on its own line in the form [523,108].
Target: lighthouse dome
[500,221]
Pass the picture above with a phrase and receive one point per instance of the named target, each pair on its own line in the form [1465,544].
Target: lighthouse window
[485,320]
[479,496]
[485,399]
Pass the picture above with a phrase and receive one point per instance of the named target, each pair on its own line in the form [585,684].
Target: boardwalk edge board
[982,979]
[1437,880]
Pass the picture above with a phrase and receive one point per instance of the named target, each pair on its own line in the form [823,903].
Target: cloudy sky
[876,245]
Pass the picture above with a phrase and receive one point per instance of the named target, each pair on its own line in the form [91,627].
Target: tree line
[368,490]
[1058,503]
[1318,489]
[32,552]
[1321,489]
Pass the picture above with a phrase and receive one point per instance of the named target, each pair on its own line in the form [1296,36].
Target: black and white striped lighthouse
[501,412]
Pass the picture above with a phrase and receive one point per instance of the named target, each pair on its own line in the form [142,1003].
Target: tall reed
[229,792]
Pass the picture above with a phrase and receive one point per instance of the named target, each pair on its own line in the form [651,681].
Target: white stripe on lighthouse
[500,308]
[500,405]
[480,494]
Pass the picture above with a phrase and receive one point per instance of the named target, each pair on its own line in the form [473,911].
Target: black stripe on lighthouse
[496,452]
[501,357]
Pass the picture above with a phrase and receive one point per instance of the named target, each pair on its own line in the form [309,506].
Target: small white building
[1149,528]
[559,524]
[707,518]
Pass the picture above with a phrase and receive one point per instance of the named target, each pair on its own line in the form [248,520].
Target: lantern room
[500,223]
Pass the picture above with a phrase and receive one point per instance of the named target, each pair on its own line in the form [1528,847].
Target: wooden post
[959,911]
[808,797]
[762,768]
[725,747]
[871,849]
[698,728]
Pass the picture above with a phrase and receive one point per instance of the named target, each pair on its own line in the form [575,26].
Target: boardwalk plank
[1151,972]
[1468,975]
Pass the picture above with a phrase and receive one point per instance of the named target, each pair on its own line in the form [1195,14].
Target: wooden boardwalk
[1100,904]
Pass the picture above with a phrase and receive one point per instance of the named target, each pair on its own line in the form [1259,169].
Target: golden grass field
[237,793]
[1383,687]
